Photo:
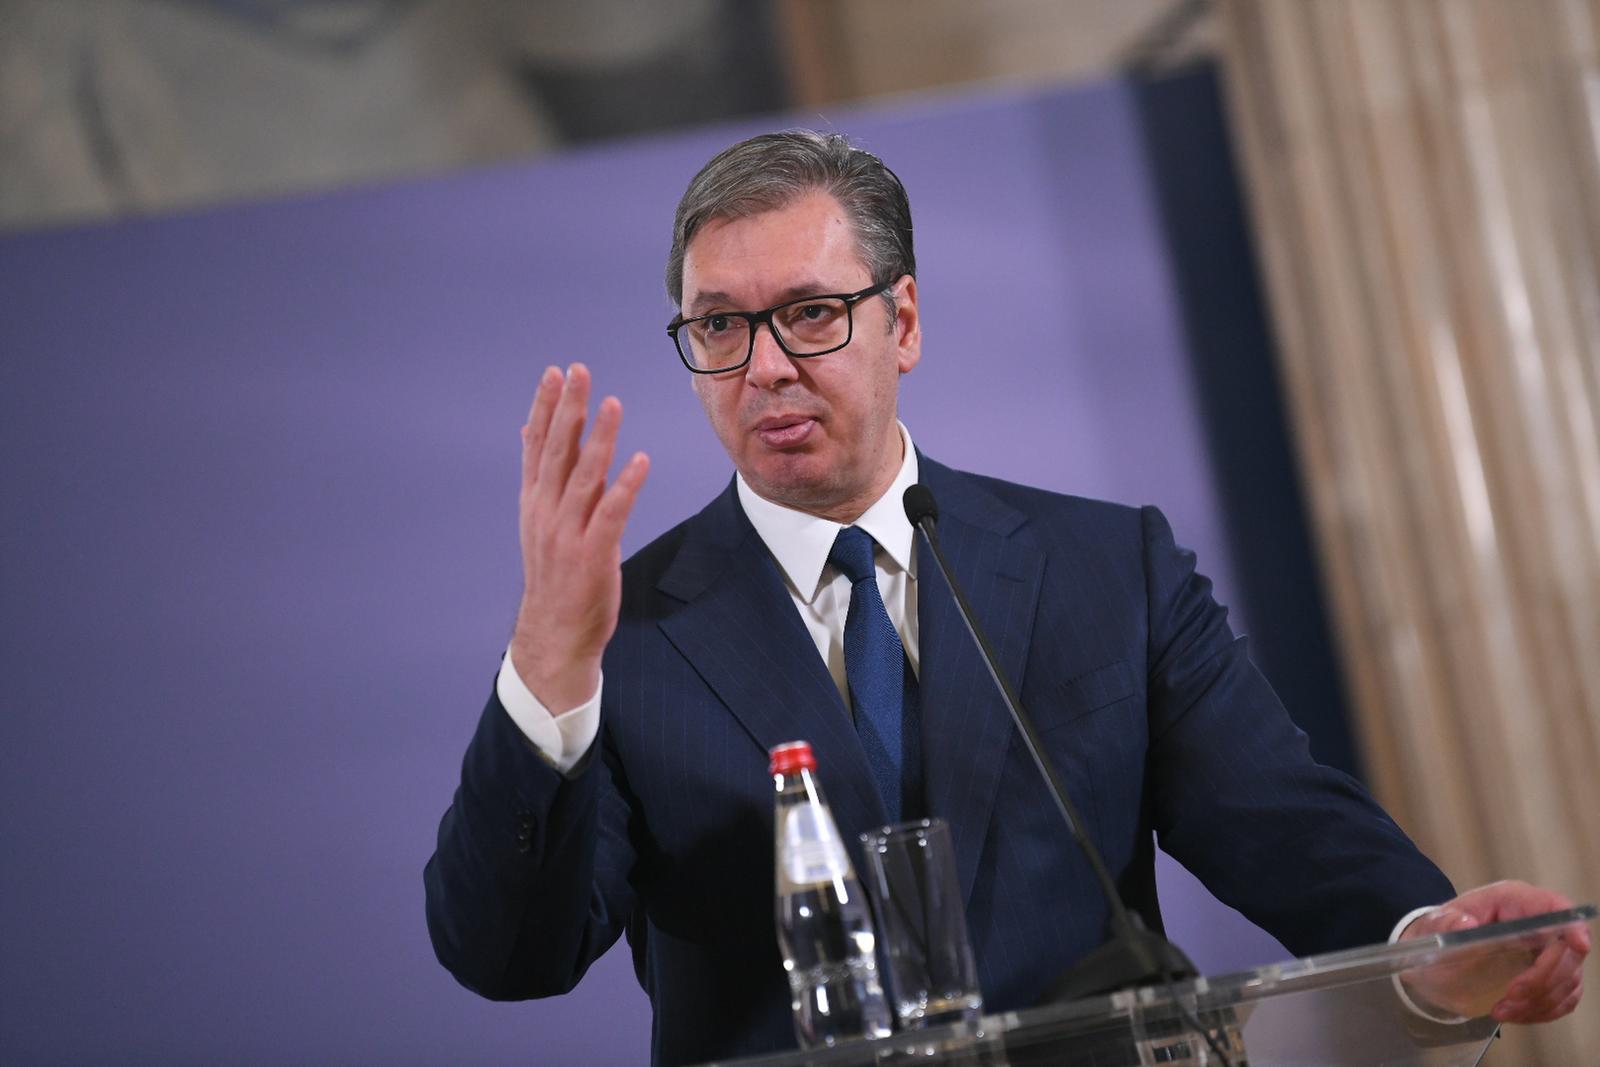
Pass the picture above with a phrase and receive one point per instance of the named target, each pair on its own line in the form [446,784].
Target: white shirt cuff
[1399,986]
[563,738]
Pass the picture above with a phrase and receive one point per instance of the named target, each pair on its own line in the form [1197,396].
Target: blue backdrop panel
[259,545]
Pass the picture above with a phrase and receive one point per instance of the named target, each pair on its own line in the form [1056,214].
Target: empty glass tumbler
[922,926]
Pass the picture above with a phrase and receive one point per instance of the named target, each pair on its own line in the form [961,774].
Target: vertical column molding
[1425,179]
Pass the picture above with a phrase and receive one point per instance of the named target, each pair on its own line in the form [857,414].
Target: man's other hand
[1547,988]
[571,526]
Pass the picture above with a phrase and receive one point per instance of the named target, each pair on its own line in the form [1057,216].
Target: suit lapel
[966,730]
[740,631]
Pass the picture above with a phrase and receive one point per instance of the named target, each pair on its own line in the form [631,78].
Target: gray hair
[771,171]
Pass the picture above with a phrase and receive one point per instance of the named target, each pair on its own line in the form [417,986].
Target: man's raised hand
[571,526]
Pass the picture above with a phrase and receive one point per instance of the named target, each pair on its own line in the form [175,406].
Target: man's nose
[769,363]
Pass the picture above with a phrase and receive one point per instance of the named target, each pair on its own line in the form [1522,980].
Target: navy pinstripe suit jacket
[1148,704]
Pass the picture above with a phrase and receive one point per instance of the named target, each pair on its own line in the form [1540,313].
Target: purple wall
[259,547]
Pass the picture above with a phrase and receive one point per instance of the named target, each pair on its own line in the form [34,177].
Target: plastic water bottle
[824,924]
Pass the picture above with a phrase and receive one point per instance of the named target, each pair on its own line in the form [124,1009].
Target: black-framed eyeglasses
[811,326]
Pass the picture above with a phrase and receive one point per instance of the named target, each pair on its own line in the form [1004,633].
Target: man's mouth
[784,431]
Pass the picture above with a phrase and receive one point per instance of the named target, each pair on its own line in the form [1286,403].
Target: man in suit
[639,800]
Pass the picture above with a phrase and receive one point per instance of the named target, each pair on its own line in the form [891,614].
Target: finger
[611,514]
[1544,984]
[1546,1006]
[538,424]
[1540,1008]
[1441,920]
[1541,972]
[1556,1011]
[1568,1006]
[588,479]
[1569,964]
[1510,900]
[1562,978]
[566,428]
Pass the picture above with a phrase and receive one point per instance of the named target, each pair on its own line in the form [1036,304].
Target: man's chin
[795,481]
[823,493]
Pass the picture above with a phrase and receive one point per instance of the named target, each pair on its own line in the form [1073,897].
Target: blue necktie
[883,690]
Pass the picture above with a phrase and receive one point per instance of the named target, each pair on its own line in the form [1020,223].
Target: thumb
[1445,919]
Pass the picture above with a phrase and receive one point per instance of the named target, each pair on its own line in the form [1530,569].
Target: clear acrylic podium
[1322,1011]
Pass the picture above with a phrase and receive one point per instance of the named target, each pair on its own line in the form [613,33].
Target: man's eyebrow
[705,300]
[717,298]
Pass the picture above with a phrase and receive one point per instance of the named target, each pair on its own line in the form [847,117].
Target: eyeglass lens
[805,327]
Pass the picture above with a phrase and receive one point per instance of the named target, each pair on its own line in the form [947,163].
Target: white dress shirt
[800,544]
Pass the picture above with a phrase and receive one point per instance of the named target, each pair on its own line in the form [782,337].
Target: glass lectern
[1322,1011]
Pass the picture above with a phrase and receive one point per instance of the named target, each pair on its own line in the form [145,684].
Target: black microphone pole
[1133,955]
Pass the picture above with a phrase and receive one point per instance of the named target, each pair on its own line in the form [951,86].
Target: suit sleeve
[528,883]
[1301,849]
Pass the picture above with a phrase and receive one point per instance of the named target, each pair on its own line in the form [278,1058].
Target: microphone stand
[1133,955]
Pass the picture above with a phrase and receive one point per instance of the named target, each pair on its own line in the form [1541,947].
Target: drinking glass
[922,925]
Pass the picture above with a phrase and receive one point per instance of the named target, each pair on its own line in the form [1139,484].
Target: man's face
[817,434]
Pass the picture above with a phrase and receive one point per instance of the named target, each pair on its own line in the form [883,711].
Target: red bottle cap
[792,756]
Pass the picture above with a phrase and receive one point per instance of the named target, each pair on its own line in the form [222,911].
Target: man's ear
[907,324]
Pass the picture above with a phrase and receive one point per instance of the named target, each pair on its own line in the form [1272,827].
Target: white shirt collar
[801,542]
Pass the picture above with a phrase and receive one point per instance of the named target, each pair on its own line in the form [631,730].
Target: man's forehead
[803,247]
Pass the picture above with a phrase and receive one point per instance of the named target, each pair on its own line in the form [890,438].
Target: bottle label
[812,851]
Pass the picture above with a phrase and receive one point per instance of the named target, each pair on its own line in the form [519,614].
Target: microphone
[921,507]
[1132,955]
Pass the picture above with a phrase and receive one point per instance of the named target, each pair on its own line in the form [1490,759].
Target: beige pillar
[1425,181]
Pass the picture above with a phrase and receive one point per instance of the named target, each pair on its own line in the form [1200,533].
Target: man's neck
[800,539]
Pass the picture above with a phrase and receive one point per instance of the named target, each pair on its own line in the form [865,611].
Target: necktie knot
[852,554]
